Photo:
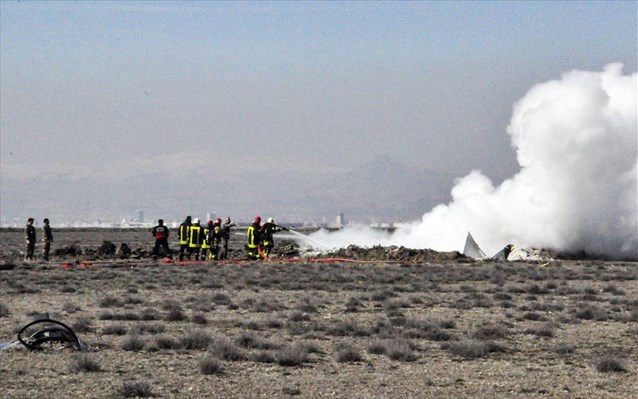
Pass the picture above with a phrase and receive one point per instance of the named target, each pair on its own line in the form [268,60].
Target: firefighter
[267,231]
[195,239]
[208,239]
[29,237]
[226,236]
[47,239]
[160,232]
[253,235]
[182,235]
[214,238]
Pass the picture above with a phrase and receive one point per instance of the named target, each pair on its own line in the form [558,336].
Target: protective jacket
[183,231]
[195,236]
[267,231]
[253,236]
[208,236]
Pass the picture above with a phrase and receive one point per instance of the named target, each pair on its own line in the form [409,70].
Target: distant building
[340,222]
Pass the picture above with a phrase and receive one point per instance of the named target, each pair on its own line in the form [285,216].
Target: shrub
[133,344]
[274,323]
[70,308]
[377,348]
[199,319]
[210,365]
[105,316]
[126,316]
[610,365]
[175,314]
[472,348]
[437,334]
[400,349]
[592,312]
[84,363]
[352,305]
[223,348]
[149,314]
[170,304]
[196,340]
[115,329]
[298,316]
[292,355]
[533,316]
[4,310]
[486,332]
[109,302]
[544,330]
[348,353]
[307,307]
[149,329]
[166,342]
[82,324]
[135,390]
[264,357]
[563,348]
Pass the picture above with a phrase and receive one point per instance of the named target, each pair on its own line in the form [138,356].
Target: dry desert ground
[317,328]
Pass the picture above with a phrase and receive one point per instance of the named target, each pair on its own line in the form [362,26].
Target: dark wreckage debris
[51,332]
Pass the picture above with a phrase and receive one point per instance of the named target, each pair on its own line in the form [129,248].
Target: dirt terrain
[360,323]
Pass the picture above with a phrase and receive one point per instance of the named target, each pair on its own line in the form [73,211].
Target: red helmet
[257,219]
[218,221]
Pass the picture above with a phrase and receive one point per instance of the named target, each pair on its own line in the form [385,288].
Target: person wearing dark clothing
[47,239]
[216,239]
[225,233]
[267,231]
[195,239]
[29,236]
[208,240]
[252,234]
[182,235]
[161,233]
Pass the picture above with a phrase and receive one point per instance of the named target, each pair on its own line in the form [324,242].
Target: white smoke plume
[576,142]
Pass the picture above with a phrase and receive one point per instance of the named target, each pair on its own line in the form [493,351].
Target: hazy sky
[112,90]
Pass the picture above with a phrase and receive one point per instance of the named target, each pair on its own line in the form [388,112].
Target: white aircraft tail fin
[472,249]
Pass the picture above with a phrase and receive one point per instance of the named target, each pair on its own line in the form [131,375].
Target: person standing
[161,233]
[267,240]
[47,239]
[29,236]
[216,238]
[195,239]
[208,240]
[253,236]
[182,235]
[226,236]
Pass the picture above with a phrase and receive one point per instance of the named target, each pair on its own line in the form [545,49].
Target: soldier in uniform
[47,239]
[29,236]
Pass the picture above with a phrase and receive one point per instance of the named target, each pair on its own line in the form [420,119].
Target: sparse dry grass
[292,322]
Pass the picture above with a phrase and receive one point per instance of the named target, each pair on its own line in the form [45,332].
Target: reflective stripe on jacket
[195,236]
[183,233]
[253,236]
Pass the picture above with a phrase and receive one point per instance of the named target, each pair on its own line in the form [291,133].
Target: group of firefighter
[210,242]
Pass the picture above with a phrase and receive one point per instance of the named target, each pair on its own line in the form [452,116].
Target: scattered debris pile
[394,253]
